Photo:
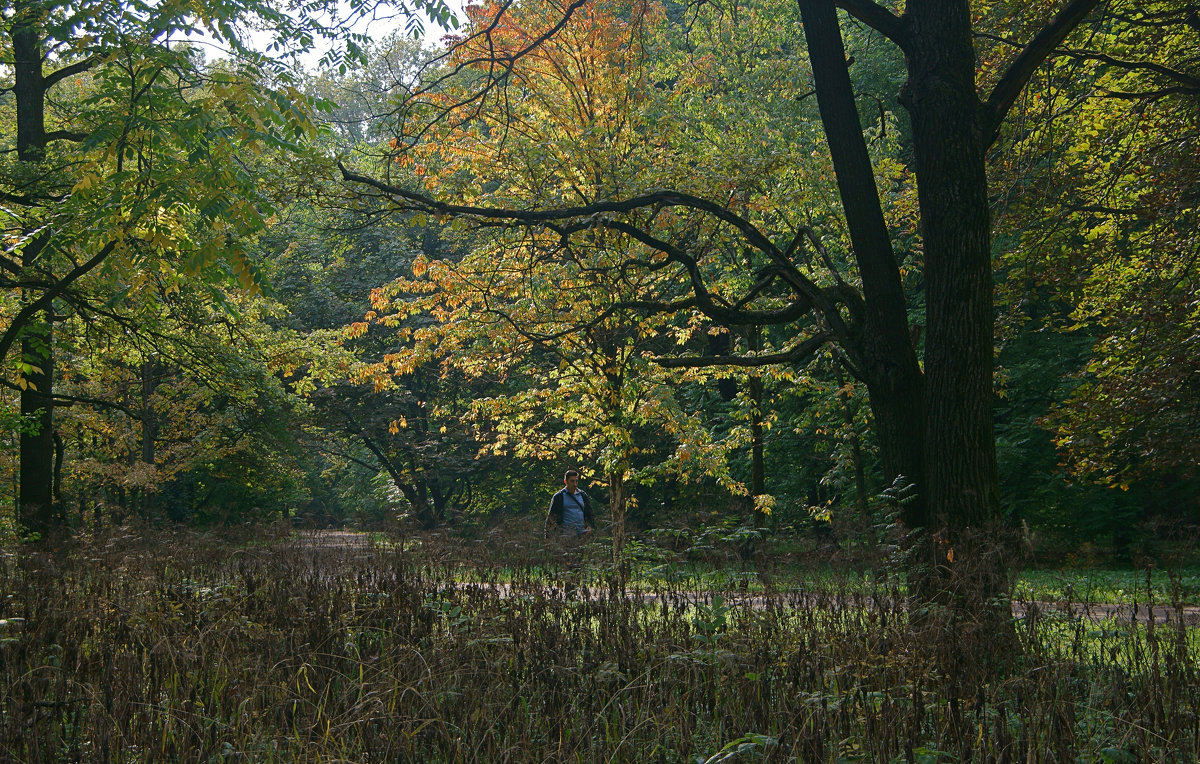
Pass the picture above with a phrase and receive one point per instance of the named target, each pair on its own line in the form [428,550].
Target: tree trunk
[29,88]
[758,475]
[418,499]
[36,507]
[966,558]
[948,147]
[616,501]
[149,415]
[934,429]
[883,354]
[35,511]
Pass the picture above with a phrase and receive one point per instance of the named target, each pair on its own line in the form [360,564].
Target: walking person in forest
[570,510]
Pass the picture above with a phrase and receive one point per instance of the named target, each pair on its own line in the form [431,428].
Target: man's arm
[555,515]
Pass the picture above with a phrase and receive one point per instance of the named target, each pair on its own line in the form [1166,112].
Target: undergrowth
[188,649]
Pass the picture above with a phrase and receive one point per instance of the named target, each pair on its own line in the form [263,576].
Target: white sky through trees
[376,20]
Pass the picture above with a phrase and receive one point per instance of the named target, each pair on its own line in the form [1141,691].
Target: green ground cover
[711,567]
[1122,585]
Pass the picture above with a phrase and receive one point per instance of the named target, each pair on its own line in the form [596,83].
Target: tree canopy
[792,262]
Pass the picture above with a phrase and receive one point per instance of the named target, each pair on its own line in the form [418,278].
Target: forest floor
[265,644]
[358,542]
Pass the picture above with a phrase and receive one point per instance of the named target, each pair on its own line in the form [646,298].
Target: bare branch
[421,203]
[1149,95]
[807,292]
[794,355]
[499,67]
[1192,84]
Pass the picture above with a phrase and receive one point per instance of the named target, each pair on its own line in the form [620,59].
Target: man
[570,510]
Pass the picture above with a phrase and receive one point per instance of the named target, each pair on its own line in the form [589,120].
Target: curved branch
[1181,78]
[808,292]
[1005,93]
[66,135]
[79,67]
[664,198]
[1149,95]
[499,67]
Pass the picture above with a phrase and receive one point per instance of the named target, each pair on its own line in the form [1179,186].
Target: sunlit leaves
[1103,185]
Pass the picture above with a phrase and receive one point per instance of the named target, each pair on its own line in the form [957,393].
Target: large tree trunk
[934,429]
[36,505]
[948,143]
[883,355]
[966,559]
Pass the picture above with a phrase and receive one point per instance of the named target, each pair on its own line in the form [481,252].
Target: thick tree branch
[1005,93]
[421,203]
[878,18]
[1149,95]
[26,314]
[79,67]
[594,215]
[882,303]
[807,292]
[66,135]
[388,465]
[63,401]
[11,198]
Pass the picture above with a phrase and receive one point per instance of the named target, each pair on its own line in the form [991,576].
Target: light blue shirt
[572,513]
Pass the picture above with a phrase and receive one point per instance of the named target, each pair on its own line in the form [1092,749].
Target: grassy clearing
[1116,585]
[188,649]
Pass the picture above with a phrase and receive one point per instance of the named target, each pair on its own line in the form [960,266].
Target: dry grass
[190,649]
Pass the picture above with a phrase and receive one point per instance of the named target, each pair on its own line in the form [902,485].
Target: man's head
[571,480]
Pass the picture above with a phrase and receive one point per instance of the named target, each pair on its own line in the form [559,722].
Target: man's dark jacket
[555,516]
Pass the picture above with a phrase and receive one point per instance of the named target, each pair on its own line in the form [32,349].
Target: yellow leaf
[86,182]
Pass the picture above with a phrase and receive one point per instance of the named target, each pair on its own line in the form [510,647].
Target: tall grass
[188,649]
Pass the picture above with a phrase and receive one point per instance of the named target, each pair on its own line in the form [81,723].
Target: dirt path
[331,539]
[355,542]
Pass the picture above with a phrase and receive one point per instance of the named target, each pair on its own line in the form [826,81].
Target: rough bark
[36,504]
[882,354]
[616,500]
[29,88]
[35,511]
[936,429]
[949,148]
